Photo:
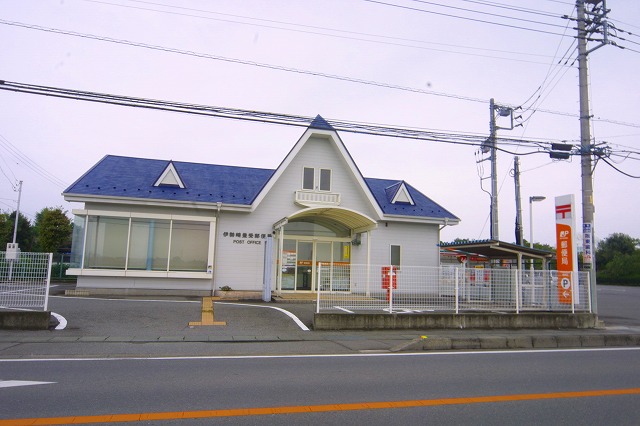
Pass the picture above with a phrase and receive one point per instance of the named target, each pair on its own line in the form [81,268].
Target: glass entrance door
[304,266]
[300,259]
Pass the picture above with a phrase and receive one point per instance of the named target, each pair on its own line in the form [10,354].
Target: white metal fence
[349,288]
[24,281]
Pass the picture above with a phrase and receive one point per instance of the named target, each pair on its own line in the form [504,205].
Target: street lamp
[533,199]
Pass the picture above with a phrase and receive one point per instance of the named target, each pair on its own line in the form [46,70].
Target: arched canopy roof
[354,220]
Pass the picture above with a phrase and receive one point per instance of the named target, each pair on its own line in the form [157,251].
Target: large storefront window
[77,241]
[106,245]
[141,244]
[149,246]
[189,245]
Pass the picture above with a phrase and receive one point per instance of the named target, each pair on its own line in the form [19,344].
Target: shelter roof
[494,249]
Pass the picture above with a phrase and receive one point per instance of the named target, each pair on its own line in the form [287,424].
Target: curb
[439,343]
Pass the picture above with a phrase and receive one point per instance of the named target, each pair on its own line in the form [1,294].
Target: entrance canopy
[354,220]
[494,249]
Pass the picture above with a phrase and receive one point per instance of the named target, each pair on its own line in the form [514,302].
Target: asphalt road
[526,387]
[343,378]
[619,306]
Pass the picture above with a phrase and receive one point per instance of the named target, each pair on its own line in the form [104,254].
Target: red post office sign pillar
[565,251]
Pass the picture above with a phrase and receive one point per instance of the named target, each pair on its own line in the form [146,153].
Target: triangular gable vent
[402,196]
[169,177]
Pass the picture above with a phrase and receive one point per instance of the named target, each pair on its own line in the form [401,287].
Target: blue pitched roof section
[128,177]
[423,207]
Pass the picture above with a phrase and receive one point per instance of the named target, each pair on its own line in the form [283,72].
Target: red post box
[390,275]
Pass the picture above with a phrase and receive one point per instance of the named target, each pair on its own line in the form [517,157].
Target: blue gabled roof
[128,177]
[423,207]
[116,176]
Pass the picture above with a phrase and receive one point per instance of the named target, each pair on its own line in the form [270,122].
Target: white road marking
[62,321]
[14,383]
[287,313]
[354,355]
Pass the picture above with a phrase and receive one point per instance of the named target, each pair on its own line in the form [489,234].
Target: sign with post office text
[566,252]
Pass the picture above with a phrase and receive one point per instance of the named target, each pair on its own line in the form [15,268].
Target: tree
[613,245]
[618,260]
[24,237]
[53,230]
[623,267]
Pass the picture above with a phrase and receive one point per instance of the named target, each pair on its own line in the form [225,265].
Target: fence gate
[24,280]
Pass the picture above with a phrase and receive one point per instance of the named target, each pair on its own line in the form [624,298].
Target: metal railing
[350,288]
[25,280]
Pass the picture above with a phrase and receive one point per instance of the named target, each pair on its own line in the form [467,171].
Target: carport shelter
[498,250]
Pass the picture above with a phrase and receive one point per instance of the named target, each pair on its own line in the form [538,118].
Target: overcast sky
[455,64]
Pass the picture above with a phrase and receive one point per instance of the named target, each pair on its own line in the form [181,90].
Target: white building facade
[155,226]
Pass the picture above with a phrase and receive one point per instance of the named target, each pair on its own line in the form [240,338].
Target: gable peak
[321,123]
[398,193]
[170,177]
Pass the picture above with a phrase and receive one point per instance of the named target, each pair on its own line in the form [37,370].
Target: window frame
[306,176]
[322,180]
[317,179]
[130,216]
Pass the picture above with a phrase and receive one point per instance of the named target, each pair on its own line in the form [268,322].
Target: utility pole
[494,168]
[595,18]
[503,111]
[516,178]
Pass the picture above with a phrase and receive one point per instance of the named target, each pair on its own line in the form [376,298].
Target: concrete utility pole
[516,178]
[503,111]
[596,19]
[494,168]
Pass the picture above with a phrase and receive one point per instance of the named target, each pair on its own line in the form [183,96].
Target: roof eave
[82,198]
[421,219]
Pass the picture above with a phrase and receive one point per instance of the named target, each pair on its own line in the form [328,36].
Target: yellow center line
[177,415]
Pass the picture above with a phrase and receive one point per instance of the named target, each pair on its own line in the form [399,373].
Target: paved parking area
[171,316]
[160,327]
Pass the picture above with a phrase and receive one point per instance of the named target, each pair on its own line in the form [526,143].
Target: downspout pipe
[215,248]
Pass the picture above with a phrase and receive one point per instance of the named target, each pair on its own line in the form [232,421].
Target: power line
[395,41]
[415,9]
[291,70]
[511,7]
[618,170]
[488,13]
[465,139]
[29,163]
[555,69]
[536,146]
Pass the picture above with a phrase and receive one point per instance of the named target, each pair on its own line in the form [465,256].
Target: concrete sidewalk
[160,328]
[29,344]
